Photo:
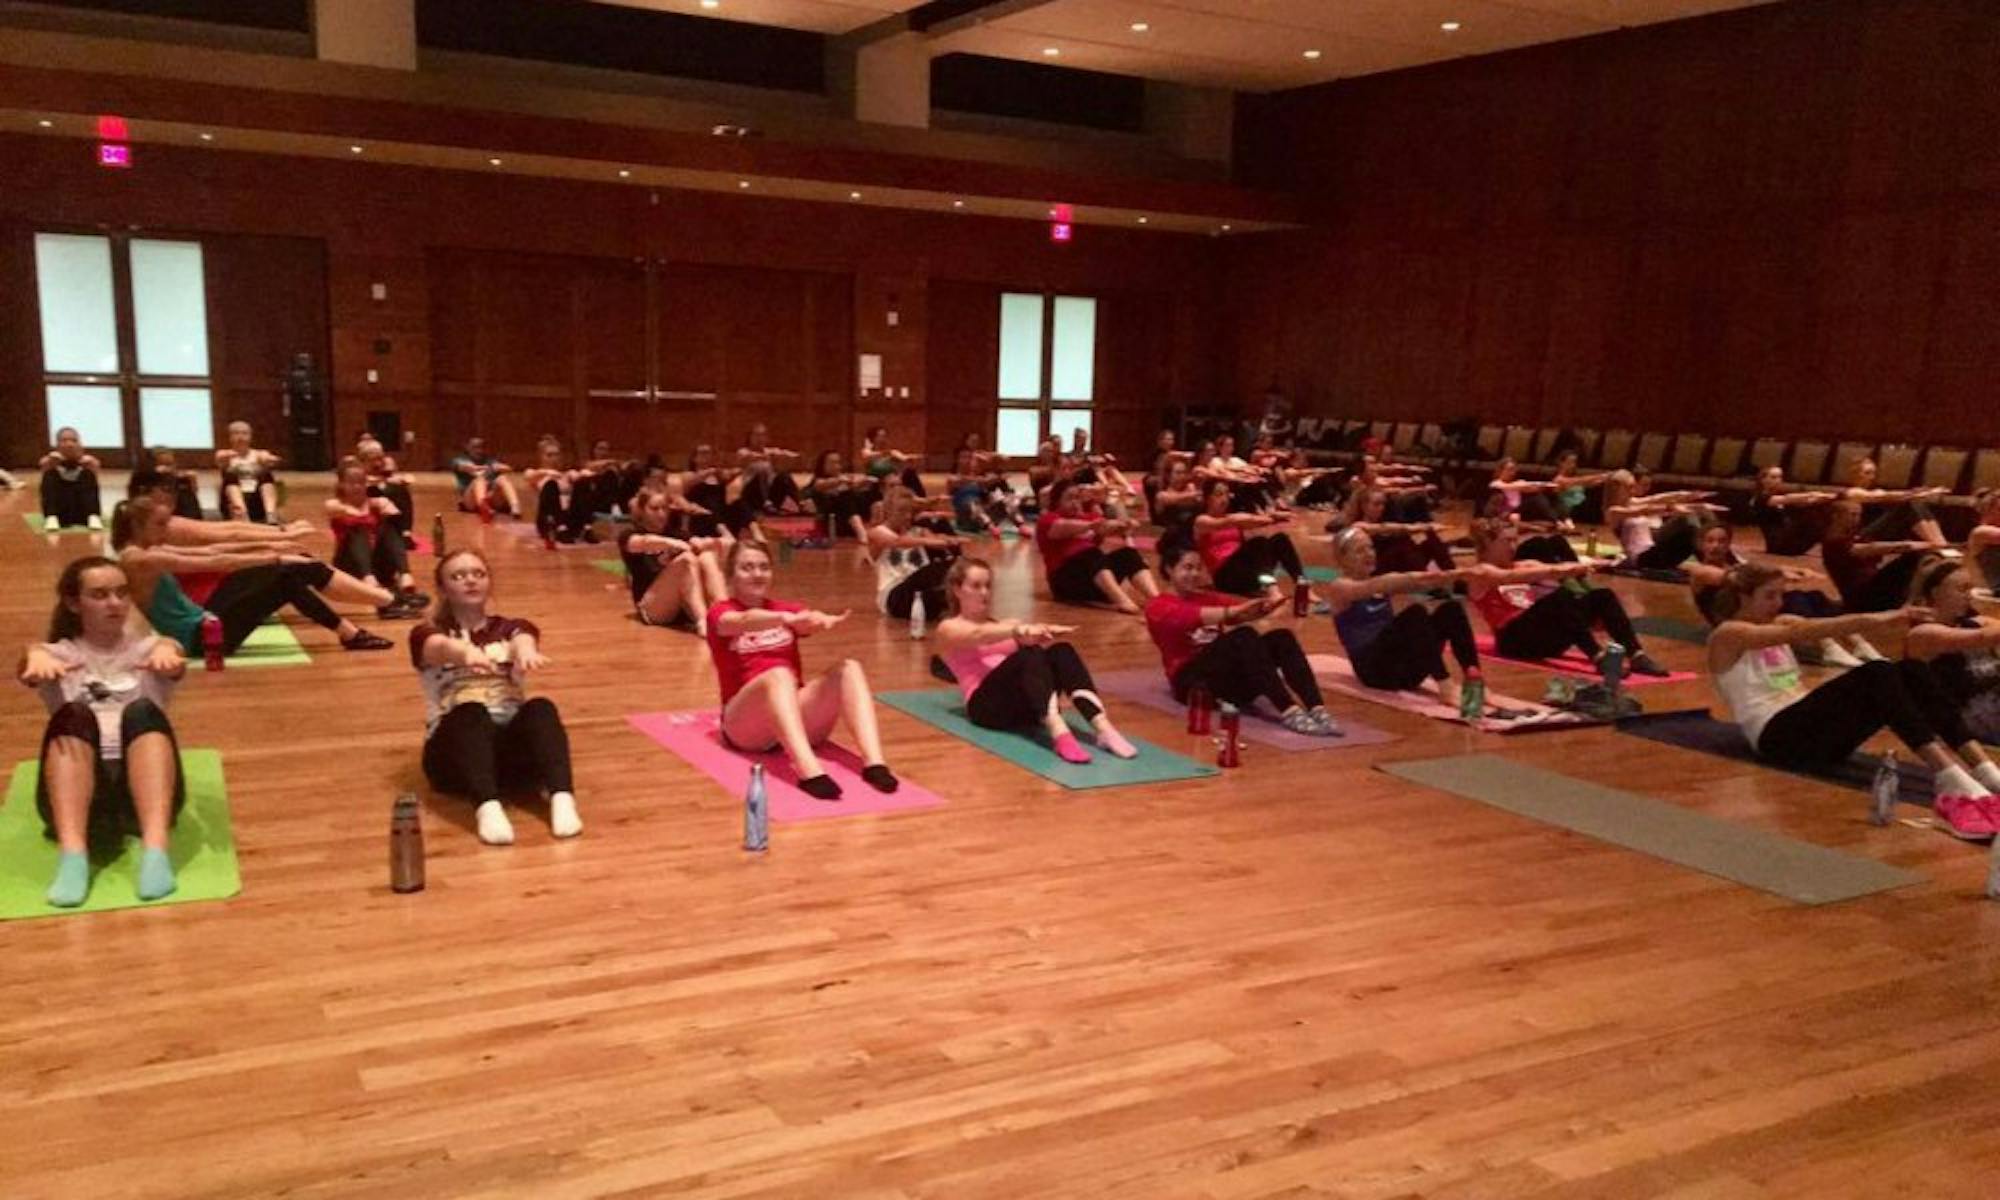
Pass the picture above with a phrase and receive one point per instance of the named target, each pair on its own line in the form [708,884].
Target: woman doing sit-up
[1793,521]
[1657,532]
[366,542]
[249,488]
[241,586]
[1392,650]
[1715,557]
[1207,641]
[909,562]
[1533,616]
[1889,514]
[1872,576]
[1962,648]
[109,759]
[673,580]
[1982,545]
[1750,657]
[1018,674]
[1399,545]
[766,702]
[1085,556]
[483,736]
[841,500]
[1241,562]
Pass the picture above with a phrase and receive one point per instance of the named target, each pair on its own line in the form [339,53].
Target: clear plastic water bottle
[1472,701]
[917,616]
[406,846]
[756,813]
[211,641]
[1884,790]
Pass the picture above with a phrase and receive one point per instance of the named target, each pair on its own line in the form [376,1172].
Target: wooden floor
[1305,979]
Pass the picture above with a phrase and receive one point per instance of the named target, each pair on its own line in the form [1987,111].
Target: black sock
[820,787]
[880,777]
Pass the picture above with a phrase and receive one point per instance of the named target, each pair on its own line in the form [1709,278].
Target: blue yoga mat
[944,709]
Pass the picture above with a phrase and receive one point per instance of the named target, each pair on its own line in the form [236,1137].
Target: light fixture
[711,3]
[1226,228]
[743,183]
[1051,52]
[958,204]
[494,162]
[1449,27]
[854,195]
[1142,220]
[207,137]
[1312,54]
[1140,27]
[45,123]
[354,149]
[624,174]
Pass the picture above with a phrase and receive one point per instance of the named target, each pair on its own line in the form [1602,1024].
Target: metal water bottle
[756,813]
[917,616]
[406,846]
[1197,710]
[437,536]
[211,641]
[1229,743]
[1884,790]
[1611,665]
[832,528]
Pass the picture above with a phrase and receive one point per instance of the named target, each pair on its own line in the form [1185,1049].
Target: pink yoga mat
[1337,674]
[693,736]
[1574,663]
[1145,685]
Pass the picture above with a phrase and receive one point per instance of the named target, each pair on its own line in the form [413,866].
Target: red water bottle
[211,641]
[1197,698]
[1229,746]
[1301,600]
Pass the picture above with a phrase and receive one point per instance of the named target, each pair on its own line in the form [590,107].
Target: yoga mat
[1798,871]
[1147,686]
[1673,629]
[943,709]
[423,545]
[1652,574]
[203,848]
[610,566]
[1695,729]
[1574,663]
[1322,574]
[692,736]
[34,520]
[1336,674]
[272,644]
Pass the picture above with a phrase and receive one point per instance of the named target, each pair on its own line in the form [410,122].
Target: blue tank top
[174,615]
[1360,623]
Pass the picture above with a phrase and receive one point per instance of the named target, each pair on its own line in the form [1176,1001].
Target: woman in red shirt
[1241,562]
[1084,554]
[367,542]
[1533,617]
[766,702]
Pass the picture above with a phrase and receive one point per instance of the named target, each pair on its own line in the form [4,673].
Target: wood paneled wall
[1784,219]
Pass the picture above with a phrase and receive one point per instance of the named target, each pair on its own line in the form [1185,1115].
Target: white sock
[1955,780]
[494,828]
[1863,650]
[563,821]
[1988,773]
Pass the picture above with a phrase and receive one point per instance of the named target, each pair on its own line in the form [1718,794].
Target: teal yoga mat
[1322,574]
[943,709]
[1798,871]
[203,849]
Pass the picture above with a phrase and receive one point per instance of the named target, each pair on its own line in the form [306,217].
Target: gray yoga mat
[1672,628]
[1798,871]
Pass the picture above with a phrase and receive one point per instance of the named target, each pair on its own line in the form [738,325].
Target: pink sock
[1110,739]
[1070,750]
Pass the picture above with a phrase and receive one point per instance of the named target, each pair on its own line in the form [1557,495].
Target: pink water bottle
[1229,746]
[211,641]
[1197,698]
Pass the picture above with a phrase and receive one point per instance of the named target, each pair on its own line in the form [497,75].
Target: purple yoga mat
[1145,685]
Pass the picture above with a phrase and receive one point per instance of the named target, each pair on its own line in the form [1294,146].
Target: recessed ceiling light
[1226,228]
[1449,27]
[1140,27]
[493,162]
[624,174]
[207,137]
[354,149]
[1312,54]
[711,3]
[743,183]
[45,123]
[1051,52]
[958,204]
[854,195]
[1142,220]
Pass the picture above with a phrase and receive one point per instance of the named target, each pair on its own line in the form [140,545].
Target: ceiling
[1244,45]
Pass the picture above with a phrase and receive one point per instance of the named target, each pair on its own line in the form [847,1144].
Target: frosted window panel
[169,308]
[1064,420]
[1020,346]
[1073,355]
[1020,432]
[176,417]
[79,318]
[94,412]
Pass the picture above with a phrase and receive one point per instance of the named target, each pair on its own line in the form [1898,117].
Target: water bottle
[1229,746]
[784,550]
[1197,698]
[1590,549]
[1611,665]
[756,813]
[1472,701]
[211,641]
[832,528]
[917,616]
[1993,872]
[437,536]
[406,846]
[1301,599]
[1883,792]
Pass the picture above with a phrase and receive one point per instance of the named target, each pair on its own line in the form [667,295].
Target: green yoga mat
[1605,549]
[203,848]
[272,644]
[610,566]
[34,520]
[1673,629]
[1798,871]
[1322,574]
[942,708]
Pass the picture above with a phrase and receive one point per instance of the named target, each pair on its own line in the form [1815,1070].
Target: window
[1048,369]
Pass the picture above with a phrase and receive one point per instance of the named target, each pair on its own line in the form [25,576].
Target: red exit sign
[112,154]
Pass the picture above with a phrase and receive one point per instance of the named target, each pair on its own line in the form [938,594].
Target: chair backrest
[1985,470]
[1544,447]
[1490,437]
[1405,435]
[1808,463]
[1768,452]
[1305,434]
[1845,455]
[1518,442]
[1653,450]
[1380,429]
[1587,443]
[1616,449]
[1726,458]
[1690,454]
[1432,435]
[1944,467]
[1897,465]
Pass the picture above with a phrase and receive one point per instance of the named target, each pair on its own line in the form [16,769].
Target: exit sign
[113,154]
[1061,232]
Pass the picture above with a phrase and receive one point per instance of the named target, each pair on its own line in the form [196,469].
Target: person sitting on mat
[366,542]
[1085,556]
[483,737]
[1569,493]
[909,562]
[1751,661]
[1398,651]
[1793,521]
[768,486]
[881,461]
[1962,648]
[184,531]
[613,480]
[1871,576]
[241,586]
[1715,557]
[163,474]
[1399,545]
[1657,532]
[766,702]
[1522,499]
[562,495]
[1206,641]
[1017,674]
[1889,514]
[672,579]
[1177,501]
[109,759]
[249,490]
[980,498]
[1240,562]
[386,481]
[840,500]
[484,486]
[1533,616]
[69,485]
[1982,545]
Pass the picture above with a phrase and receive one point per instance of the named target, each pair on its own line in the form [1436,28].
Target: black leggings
[187,503]
[1324,489]
[1016,693]
[1411,649]
[1562,620]
[1075,582]
[380,554]
[1896,522]
[1395,552]
[111,811]
[1242,665]
[768,491]
[72,502]
[1889,587]
[553,519]
[466,754]
[842,505]
[927,581]
[252,493]
[1674,546]
[1255,558]
[248,597]
[398,494]
[1548,547]
[1832,720]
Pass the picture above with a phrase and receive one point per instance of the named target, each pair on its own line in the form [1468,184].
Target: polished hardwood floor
[1303,979]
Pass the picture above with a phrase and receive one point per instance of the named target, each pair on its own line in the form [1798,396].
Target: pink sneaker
[1070,750]
[1968,817]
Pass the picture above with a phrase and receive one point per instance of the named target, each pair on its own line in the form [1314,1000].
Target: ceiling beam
[940,17]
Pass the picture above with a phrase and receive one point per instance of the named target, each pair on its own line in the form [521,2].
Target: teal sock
[72,881]
[156,874]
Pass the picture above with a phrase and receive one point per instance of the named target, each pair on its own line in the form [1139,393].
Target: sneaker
[1833,654]
[397,610]
[940,671]
[364,640]
[93,522]
[1642,664]
[51,525]
[414,598]
[1300,721]
[1965,817]
[1325,721]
